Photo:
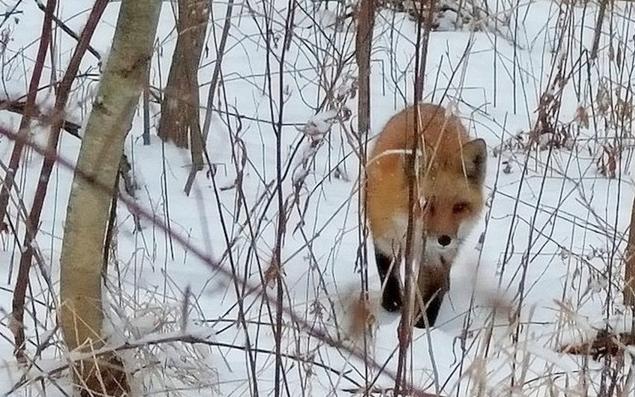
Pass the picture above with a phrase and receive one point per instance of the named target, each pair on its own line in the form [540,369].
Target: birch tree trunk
[111,117]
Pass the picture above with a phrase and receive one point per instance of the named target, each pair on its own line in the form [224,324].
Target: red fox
[448,198]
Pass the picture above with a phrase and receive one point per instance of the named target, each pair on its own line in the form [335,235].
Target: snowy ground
[548,236]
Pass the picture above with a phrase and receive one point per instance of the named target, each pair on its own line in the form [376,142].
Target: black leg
[391,297]
[432,310]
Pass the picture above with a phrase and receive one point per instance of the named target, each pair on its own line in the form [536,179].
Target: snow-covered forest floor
[543,267]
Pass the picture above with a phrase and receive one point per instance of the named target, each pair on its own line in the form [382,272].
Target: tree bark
[364,38]
[81,314]
[363,47]
[629,276]
[180,106]
[598,29]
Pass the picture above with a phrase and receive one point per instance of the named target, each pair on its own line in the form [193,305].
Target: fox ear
[474,160]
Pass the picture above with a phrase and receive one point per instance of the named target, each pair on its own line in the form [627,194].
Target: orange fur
[447,180]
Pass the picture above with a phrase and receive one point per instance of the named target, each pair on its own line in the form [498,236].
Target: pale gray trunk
[93,186]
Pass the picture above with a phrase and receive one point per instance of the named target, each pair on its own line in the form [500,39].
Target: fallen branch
[20,106]
[184,338]
[604,343]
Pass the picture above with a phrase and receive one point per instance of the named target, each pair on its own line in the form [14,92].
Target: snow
[552,228]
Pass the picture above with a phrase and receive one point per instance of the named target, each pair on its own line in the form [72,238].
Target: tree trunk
[598,29]
[363,47]
[629,276]
[81,314]
[180,106]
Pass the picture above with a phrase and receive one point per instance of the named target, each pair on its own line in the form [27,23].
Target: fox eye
[460,207]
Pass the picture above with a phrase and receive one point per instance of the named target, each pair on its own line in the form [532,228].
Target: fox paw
[391,299]
[431,314]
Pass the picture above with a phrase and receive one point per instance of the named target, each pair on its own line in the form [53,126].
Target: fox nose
[445,240]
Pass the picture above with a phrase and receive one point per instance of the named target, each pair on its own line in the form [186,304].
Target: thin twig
[25,122]
[208,260]
[69,31]
[47,167]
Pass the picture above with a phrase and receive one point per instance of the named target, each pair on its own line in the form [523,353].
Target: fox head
[451,195]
